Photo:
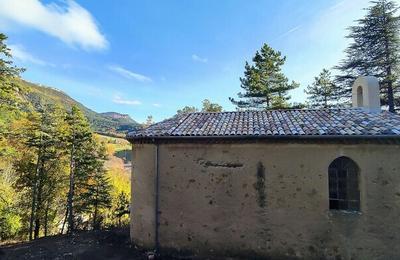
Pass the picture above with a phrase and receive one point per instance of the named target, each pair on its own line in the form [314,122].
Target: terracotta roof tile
[312,122]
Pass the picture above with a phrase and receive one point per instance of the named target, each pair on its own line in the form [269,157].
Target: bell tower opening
[360,101]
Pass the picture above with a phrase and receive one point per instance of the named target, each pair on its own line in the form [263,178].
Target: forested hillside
[56,174]
[109,123]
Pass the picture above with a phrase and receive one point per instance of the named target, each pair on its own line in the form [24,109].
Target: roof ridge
[279,109]
[282,122]
[179,123]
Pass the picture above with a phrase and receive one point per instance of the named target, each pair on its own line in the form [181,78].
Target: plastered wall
[265,200]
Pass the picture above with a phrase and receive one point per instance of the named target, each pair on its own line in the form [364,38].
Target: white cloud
[19,52]
[68,22]
[199,59]
[119,100]
[129,74]
[156,105]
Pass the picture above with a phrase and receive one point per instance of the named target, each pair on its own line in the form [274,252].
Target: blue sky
[153,57]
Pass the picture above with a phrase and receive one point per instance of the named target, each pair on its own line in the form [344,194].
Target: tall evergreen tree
[10,217]
[323,92]
[8,71]
[39,172]
[79,140]
[93,186]
[8,93]
[264,84]
[374,51]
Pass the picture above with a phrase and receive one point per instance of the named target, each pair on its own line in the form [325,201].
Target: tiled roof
[276,123]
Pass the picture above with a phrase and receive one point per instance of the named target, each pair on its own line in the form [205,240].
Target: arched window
[360,97]
[344,193]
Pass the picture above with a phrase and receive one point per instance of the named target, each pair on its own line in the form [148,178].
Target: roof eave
[133,139]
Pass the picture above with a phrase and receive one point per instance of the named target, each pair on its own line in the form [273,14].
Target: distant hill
[109,123]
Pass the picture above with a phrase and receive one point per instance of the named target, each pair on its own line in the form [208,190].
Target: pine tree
[54,170]
[39,169]
[264,84]
[93,186]
[78,138]
[100,196]
[323,93]
[8,93]
[374,51]
[8,71]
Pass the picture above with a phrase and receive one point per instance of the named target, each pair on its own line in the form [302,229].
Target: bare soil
[88,245]
[91,245]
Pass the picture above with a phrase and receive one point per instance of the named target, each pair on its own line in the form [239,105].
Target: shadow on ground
[105,244]
[86,245]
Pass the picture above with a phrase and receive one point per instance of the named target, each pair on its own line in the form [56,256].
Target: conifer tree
[374,51]
[38,171]
[323,93]
[79,140]
[8,90]
[10,221]
[93,185]
[99,196]
[8,71]
[264,84]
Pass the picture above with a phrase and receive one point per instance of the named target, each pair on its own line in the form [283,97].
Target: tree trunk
[46,218]
[32,217]
[65,220]
[71,188]
[71,194]
[38,202]
[34,191]
[95,217]
[96,205]
[37,216]
[390,92]
[390,96]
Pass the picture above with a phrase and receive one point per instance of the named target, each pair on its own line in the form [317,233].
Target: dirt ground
[86,245]
[91,245]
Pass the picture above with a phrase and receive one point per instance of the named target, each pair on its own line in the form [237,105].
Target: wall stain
[312,193]
[259,186]
[219,164]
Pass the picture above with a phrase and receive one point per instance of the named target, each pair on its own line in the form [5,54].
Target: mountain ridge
[107,123]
